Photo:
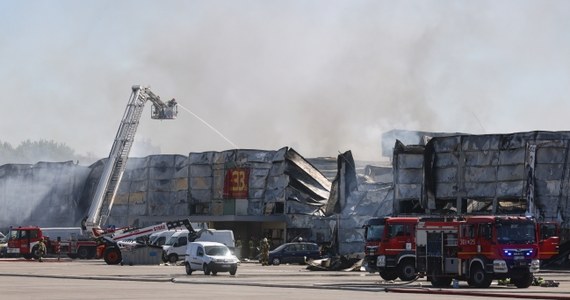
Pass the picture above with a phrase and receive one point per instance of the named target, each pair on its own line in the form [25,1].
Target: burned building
[275,194]
[153,189]
[518,173]
[255,193]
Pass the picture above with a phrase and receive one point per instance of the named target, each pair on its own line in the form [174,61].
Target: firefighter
[264,252]
[41,249]
[238,251]
[251,245]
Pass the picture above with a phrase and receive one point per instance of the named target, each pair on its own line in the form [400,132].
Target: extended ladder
[116,162]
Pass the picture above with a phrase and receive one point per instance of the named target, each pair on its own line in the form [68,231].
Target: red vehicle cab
[390,247]
[23,242]
[549,242]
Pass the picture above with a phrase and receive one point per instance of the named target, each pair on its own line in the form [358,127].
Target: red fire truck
[23,242]
[391,247]
[477,249]
[549,242]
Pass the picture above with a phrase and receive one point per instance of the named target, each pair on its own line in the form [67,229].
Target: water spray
[211,127]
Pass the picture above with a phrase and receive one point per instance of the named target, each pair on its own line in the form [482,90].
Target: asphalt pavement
[93,279]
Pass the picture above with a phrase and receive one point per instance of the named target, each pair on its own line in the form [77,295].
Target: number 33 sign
[236,183]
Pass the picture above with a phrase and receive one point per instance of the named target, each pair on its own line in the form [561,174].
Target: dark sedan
[297,253]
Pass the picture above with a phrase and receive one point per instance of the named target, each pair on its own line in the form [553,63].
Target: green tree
[31,152]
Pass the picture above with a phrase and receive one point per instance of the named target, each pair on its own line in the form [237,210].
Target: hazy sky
[319,76]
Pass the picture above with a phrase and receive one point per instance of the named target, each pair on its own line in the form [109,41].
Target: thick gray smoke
[320,76]
[43,194]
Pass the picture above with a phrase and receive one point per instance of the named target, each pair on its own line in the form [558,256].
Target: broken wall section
[355,198]
[277,182]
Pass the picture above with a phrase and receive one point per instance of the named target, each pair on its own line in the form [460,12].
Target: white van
[210,257]
[160,238]
[175,248]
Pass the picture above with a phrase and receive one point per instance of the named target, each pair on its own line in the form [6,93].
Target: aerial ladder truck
[113,171]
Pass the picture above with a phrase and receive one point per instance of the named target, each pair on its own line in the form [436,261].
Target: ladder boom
[116,163]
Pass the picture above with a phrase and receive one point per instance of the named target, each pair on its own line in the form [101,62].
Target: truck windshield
[217,250]
[516,233]
[13,234]
[374,232]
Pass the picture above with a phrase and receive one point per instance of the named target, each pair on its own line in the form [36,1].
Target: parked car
[297,253]
[210,257]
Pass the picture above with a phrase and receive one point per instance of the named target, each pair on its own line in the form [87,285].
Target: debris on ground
[550,283]
[536,281]
[341,263]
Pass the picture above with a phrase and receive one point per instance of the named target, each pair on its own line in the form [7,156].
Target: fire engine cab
[390,247]
[477,249]
[23,241]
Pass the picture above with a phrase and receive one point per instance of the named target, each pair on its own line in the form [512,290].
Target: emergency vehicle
[477,249]
[23,242]
[390,247]
[549,242]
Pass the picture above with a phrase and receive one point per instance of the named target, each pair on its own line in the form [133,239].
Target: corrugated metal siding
[529,166]
[152,186]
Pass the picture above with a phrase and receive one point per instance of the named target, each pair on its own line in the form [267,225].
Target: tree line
[31,152]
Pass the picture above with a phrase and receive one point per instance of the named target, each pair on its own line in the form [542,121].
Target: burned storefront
[274,194]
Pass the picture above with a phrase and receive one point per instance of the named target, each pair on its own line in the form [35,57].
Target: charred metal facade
[283,195]
[518,173]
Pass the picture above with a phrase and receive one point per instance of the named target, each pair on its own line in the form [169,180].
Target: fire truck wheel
[112,256]
[389,274]
[479,278]
[92,252]
[407,270]
[524,281]
[439,281]
[82,253]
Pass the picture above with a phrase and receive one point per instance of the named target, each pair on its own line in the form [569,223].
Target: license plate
[517,257]
[225,266]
